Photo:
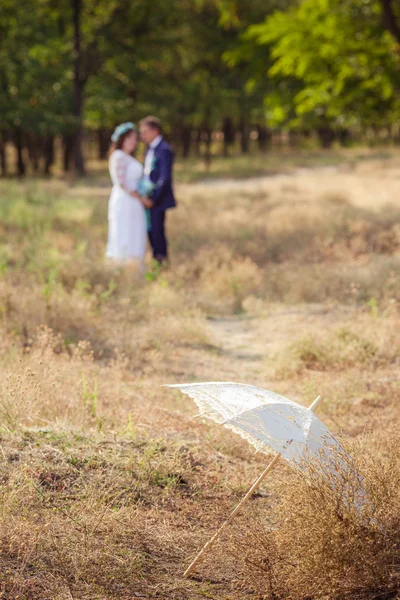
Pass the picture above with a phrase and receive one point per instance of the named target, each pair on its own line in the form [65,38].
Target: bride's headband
[121,129]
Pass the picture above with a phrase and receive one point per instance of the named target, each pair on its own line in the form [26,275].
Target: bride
[127,234]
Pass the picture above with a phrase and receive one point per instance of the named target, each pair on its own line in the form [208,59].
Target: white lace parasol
[266,420]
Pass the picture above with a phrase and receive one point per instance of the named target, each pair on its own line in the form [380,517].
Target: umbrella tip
[315,403]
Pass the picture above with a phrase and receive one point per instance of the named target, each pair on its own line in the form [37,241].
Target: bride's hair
[120,141]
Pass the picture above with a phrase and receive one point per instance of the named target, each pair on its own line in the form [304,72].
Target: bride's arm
[121,163]
[136,195]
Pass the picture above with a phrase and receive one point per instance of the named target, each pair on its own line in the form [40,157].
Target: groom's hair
[152,122]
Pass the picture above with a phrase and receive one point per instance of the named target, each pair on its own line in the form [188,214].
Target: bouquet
[146,187]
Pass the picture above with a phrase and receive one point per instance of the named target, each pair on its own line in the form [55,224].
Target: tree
[32,112]
[72,66]
[391,18]
[95,38]
[333,63]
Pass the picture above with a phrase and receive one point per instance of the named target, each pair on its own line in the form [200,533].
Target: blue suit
[162,196]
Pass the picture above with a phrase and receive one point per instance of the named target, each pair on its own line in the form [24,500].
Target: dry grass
[371,343]
[322,546]
[108,483]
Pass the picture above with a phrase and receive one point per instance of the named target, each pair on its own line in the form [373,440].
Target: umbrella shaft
[212,541]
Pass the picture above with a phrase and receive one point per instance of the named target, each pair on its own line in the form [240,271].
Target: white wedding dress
[127,234]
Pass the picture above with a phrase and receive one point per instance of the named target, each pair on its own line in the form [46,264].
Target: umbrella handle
[212,541]
[255,485]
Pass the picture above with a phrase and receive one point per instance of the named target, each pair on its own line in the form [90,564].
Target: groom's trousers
[157,236]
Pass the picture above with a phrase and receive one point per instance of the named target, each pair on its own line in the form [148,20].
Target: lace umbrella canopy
[266,420]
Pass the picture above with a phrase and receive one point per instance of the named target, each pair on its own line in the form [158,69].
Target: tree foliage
[69,66]
[75,64]
[332,63]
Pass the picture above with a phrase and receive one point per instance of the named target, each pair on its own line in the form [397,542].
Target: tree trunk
[207,154]
[197,142]
[293,138]
[21,168]
[103,140]
[68,146]
[3,154]
[33,151]
[186,139]
[48,154]
[228,129]
[78,89]
[326,136]
[244,136]
[390,21]
[263,137]
[344,137]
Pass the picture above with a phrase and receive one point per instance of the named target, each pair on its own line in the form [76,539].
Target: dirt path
[249,345]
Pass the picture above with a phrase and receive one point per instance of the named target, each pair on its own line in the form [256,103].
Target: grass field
[288,280]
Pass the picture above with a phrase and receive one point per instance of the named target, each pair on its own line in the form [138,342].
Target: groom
[158,167]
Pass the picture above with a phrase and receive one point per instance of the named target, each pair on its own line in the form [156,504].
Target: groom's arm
[164,180]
